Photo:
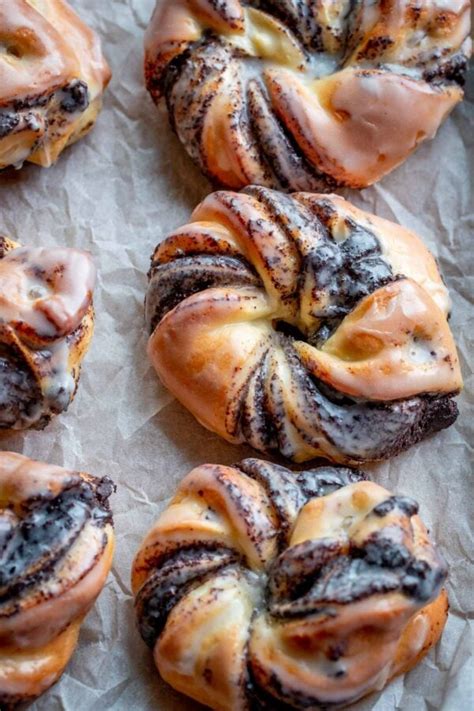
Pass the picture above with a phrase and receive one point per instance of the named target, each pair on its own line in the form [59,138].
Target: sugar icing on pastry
[46,324]
[56,547]
[262,588]
[52,77]
[302,324]
[306,95]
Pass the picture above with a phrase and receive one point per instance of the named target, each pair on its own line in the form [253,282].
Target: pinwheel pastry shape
[304,325]
[260,588]
[46,325]
[56,548]
[306,94]
[52,77]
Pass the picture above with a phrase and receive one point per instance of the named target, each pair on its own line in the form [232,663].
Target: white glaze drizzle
[44,297]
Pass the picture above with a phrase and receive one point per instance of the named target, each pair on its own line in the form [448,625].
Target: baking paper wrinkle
[117,193]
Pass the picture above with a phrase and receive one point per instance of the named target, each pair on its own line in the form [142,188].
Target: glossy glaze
[306,95]
[56,546]
[46,324]
[52,76]
[244,612]
[302,324]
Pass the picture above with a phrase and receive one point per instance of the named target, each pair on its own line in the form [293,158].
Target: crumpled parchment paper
[117,193]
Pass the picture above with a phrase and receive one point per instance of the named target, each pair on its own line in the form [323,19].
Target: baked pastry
[56,548]
[52,77]
[263,588]
[46,325]
[302,95]
[304,325]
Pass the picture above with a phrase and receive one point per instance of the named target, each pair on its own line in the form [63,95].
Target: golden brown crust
[48,586]
[306,95]
[46,326]
[421,633]
[300,323]
[52,76]
[30,673]
[305,590]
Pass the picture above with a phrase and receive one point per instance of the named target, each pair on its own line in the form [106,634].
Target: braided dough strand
[56,548]
[46,326]
[304,325]
[52,77]
[339,590]
[305,95]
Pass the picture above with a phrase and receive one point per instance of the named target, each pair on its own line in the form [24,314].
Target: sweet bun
[304,325]
[52,77]
[57,543]
[46,325]
[267,589]
[301,95]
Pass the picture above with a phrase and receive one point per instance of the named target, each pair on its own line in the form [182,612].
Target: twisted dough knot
[306,95]
[302,324]
[52,76]
[56,547]
[259,587]
[46,325]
